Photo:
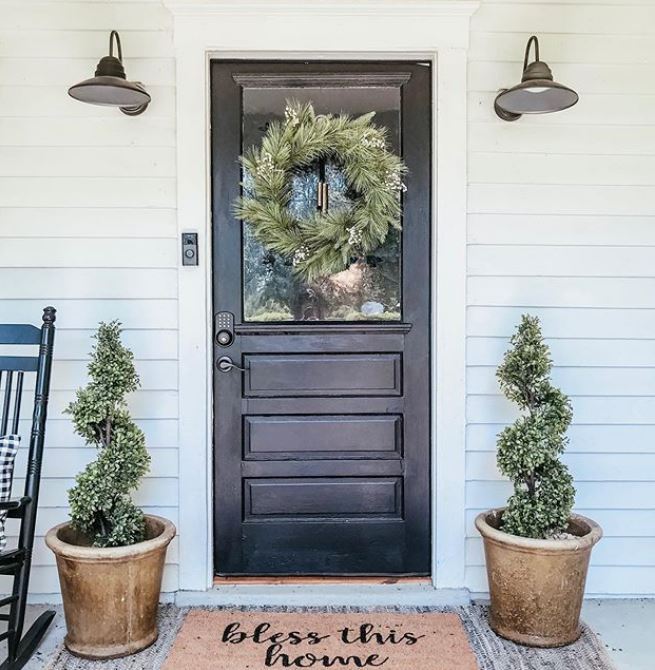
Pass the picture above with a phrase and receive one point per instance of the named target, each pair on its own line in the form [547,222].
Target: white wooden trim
[449,321]
[435,30]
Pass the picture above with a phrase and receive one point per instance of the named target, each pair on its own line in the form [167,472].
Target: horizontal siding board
[563,261]
[490,47]
[568,352]
[591,169]
[565,198]
[89,43]
[158,192]
[601,468]
[155,344]
[615,292]
[48,72]
[79,222]
[546,230]
[76,161]
[569,18]
[571,139]
[132,312]
[589,439]
[88,16]
[87,132]
[564,322]
[587,410]
[577,381]
[49,252]
[52,285]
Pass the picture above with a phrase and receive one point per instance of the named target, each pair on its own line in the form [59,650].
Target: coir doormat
[222,640]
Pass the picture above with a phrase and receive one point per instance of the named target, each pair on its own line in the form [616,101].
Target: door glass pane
[368,290]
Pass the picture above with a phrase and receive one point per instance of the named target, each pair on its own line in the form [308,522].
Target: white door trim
[435,30]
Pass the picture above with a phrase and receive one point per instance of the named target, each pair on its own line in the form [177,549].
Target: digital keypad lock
[224,328]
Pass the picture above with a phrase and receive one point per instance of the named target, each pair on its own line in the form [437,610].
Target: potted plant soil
[110,557]
[537,552]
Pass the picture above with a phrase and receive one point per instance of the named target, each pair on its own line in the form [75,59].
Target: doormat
[213,640]
[491,651]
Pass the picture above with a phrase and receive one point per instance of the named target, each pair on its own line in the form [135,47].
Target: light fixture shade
[110,87]
[537,93]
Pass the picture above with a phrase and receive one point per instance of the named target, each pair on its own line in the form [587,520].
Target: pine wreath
[323,242]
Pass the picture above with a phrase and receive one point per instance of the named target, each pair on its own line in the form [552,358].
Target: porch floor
[625,627]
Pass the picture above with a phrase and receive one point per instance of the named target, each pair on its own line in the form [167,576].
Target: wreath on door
[328,240]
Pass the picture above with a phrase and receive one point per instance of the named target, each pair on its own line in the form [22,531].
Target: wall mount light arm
[110,87]
[537,93]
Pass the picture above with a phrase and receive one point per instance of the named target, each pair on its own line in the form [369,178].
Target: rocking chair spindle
[17,562]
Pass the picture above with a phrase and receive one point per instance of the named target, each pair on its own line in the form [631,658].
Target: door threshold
[317,580]
[340,593]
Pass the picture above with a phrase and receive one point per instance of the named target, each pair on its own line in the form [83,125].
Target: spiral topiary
[529,449]
[100,504]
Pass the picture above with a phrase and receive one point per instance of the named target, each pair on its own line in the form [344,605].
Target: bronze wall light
[110,86]
[537,93]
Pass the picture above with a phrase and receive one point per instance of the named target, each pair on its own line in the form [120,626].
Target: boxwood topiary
[100,504]
[529,449]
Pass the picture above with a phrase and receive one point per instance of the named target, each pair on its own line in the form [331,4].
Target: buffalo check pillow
[8,448]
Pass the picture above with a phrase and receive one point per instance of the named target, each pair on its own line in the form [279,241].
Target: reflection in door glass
[370,289]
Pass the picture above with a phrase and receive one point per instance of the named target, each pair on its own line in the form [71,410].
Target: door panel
[323,375]
[322,442]
[320,497]
[322,437]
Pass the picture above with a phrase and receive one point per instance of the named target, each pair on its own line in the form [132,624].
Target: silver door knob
[226,364]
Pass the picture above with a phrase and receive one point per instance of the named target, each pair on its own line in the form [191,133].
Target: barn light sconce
[537,93]
[110,86]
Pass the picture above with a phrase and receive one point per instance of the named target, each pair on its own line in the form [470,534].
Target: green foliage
[322,243]
[101,507]
[529,449]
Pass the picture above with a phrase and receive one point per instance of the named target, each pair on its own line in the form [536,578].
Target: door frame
[250,29]
[406,341]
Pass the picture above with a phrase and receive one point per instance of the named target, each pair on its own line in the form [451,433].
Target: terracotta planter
[537,586]
[110,594]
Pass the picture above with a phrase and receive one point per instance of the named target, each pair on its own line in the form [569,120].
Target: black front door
[322,441]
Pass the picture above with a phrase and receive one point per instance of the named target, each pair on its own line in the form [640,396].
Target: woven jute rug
[454,639]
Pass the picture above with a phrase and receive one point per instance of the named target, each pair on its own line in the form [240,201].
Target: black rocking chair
[17,561]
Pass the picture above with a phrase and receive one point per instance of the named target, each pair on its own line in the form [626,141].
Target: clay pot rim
[586,541]
[68,550]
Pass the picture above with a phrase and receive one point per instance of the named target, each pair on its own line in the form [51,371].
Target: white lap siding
[562,224]
[87,224]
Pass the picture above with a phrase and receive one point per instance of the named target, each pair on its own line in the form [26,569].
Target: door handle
[226,364]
